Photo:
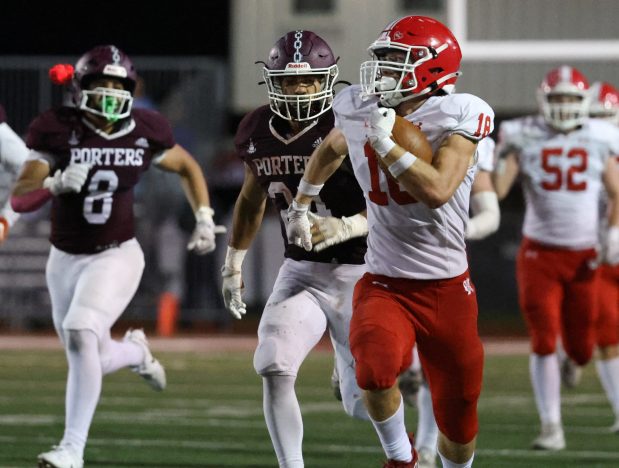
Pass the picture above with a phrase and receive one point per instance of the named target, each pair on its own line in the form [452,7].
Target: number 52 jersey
[100,216]
[561,177]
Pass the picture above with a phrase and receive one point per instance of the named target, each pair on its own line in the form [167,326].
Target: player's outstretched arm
[178,160]
[247,218]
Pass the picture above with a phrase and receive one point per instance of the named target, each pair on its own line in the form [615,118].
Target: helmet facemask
[564,116]
[300,107]
[396,81]
[110,103]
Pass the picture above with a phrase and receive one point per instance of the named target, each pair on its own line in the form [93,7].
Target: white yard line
[224,343]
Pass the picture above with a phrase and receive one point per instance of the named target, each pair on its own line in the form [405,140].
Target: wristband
[234,258]
[299,207]
[383,146]
[204,213]
[308,189]
[402,164]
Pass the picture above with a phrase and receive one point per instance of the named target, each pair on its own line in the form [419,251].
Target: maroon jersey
[101,215]
[277,159]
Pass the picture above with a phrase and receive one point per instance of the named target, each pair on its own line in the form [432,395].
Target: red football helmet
[604,102]
[300,53]
[564,98]
[106,61]
[430,60]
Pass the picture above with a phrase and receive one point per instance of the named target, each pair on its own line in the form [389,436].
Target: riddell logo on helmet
[115,70]
[302,66]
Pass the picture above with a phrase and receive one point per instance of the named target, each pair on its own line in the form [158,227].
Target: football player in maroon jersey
[87,158]
[313,290]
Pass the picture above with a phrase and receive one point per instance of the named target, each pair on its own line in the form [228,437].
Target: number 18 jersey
[407,239]
[561,177]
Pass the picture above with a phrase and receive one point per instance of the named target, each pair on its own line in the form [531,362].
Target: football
[410,137]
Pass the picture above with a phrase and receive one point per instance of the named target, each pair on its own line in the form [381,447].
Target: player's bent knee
[271,359]
[78,340]
[377,371]
[457,419]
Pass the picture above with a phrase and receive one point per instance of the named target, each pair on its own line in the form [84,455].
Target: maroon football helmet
[429,60]
[106,61]
[294,54]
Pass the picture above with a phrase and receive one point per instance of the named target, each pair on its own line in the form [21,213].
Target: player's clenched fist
[298,229]
[381,125]
[70,180]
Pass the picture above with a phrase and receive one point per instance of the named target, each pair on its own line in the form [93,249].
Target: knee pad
[78,340]
[273,357]
[377,368]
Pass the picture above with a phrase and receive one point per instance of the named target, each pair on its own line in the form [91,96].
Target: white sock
[608,370]
[415,362]
[546,381]
[83,387]
[427,430]
[393,436]
[118,354]
[283,418]
[449,464]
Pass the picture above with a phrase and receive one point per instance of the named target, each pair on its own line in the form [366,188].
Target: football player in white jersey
[13,154]
[485,219]
[565,160]
[604,105]
[417,289]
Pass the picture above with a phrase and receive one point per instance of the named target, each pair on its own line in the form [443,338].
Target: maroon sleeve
[242,140]
[155,127]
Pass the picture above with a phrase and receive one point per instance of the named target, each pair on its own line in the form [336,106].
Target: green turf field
[211,416]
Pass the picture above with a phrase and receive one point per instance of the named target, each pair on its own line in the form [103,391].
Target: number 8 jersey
[561,177]
[100,216]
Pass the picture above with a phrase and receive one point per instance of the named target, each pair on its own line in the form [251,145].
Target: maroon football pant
[557,291]
[391,314]
[607,325]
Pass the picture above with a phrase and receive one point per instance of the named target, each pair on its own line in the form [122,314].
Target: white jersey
[485,155]
[406,238]
[13,154]
[561,177]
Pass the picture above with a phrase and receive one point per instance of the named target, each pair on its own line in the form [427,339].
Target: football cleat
[571,373]
[551,438]
[335,384]
[60,456]
[150,369]
[409,382]
[427,457]
[405,464]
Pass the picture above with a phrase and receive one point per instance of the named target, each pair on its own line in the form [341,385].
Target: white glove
[202,240]
[70,180]
[379,134]
[611,247]
[336,230]
[232,286]
[298,229]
